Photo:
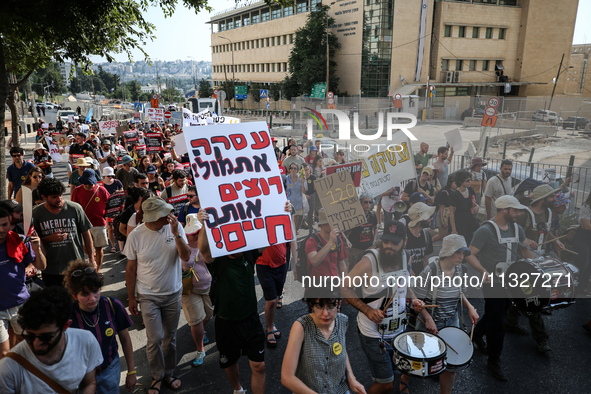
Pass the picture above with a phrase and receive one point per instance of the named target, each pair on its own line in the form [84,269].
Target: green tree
[275,91]
[255,91]
[307,60]
[205,89]
[228,87]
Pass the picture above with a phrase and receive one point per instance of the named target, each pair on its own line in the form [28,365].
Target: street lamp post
[327,53]
[193,72]
[560,71]
[233,69]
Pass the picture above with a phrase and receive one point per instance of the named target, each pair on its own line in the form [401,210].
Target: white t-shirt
[82,355]
[158,262]
[494,190]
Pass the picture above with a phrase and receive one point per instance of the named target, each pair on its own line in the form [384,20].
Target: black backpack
[302,266]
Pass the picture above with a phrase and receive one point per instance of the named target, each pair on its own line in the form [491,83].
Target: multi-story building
[463,47]
[66,71]
[578,80]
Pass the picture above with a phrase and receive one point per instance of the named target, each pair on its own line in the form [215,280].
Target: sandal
[276,332]
[154,383]
[172,380]
[405,389]
[271,342]
[113,249]
[280,302]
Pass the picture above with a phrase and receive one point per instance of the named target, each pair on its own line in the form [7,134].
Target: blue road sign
[137,106]
[267,105]
[264,93]
[240,96]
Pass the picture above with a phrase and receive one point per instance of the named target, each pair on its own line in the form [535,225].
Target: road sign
[267,105]
[507,88]
[215,93]
[397,96]
[167,115]
[318,90]
[268,99]
[431,88]
[389,93]
[489,121]
[494,102]
[490,111]
[154,103]
[155,96]
[240,92]
[264,93]
[331,100]
[330,95]
[397,103]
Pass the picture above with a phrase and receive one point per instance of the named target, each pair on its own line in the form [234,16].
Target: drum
[419,353]
[534,285]
[460,357]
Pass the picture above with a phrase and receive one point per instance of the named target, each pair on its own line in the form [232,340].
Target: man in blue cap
[93,199]
[127,173]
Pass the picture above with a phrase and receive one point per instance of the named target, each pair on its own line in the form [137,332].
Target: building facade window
[287,11]
[230,25]
[291,38]
[447,32]
[489,32]
[237,23]
[301,6]
[472,65]
[445,65]
[222,26]
[272,41]
[475,32]
[258,68]
[246,20]
[458,65]
[276,13]
[485,65]
[462,31]
[502,34]
[265,15]
[313,4]
[255,18]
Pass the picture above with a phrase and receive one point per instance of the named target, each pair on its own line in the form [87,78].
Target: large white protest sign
[71,119]
[454,138]
[108,127]
[239,185]
[54,151]
[205,118]
[155,114]
[386,165]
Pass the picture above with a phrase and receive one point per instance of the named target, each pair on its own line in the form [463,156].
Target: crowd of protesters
[144,206]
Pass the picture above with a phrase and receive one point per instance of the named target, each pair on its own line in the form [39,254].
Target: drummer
[496,241]
[449,264]
[377,328]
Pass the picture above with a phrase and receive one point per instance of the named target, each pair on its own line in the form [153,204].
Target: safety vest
[542,228]
[501,267]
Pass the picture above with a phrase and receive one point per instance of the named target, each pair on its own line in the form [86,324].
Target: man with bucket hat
[478,177]
[419,242]
[537,219]
[154,252]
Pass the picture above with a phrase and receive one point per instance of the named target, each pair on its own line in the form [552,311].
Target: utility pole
[233,72]
[555,82]
[327,54]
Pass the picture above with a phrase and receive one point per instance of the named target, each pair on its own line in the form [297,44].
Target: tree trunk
[14,113]
[3,96]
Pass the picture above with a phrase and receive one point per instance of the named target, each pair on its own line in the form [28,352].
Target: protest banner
[130,136]
[108,126]
[71,119]
[155,114]
[353,168]
[121,129]
[45,125]
[339,199]
[61,139]
[53,150]
[454,139]
[154,142]
[140,150]
[384,166]
[239,185]
[114,205]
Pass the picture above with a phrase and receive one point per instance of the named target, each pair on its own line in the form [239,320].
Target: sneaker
[543,346]
[381,226]
[480,344]
[199,359]
[516,329]
[205,338]
[241,391]
[496,369]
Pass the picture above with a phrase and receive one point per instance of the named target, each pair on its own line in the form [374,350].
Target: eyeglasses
[191,195]
[367,202]
[328,307]
[45,337]
[293,168]
[87,270]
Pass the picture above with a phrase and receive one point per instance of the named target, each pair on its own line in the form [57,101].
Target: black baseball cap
[394,231]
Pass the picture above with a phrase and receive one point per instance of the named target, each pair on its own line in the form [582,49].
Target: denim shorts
[453,321]
[380,362]
[107,381]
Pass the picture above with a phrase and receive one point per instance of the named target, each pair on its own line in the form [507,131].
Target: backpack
[116,222]
[302,266]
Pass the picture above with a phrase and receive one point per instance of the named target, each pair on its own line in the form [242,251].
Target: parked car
[471,112]
[49,105]
[64,115]
[542,115]
[172,107]
[575,122]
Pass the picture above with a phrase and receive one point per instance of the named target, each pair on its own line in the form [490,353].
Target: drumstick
[471,334]
[570,251]
[446,344]
[389,301]
[552,240]
[430,306]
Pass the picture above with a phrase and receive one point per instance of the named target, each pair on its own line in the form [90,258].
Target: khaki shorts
[197,306]
[8,318]
[99,236]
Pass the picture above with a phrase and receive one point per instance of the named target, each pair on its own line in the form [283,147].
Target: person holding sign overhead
[295,187]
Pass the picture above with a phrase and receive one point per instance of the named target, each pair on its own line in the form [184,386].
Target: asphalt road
[566,369]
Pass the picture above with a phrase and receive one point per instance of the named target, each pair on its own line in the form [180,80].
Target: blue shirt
[13,291]
[18,175]
[182,218]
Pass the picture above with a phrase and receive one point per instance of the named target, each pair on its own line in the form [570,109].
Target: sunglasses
[191,195]
[45,338]
[367,202]
[37,177]
[16,155]
[87,270]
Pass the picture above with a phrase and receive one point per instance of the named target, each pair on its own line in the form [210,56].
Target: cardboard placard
[154,142]
[239,185]
[353,168]
[121,129]
[340,201]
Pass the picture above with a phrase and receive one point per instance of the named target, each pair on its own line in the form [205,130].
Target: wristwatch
[178,236]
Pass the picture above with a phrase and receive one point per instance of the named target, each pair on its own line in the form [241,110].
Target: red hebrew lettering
[222,139]
[202,142]
[272,222]
[247,225]
[253,188]
[227,192]
[215,232]
[233,228]
[238,141]
[259,223]
[261,140]
[276,180]
[264,186]
[238,185]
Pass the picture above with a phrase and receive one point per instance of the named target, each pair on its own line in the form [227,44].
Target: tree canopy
[307,61]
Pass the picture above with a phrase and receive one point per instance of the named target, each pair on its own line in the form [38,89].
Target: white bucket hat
[108,171]
[508,202]
[155,208]
[453,243]
[418,212]
[39,146]
[193,224]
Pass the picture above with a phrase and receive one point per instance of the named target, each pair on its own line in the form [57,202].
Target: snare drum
[534,285]
[419,353]
[460,342]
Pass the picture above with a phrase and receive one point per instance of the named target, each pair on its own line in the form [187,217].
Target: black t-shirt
[362,237]
[41,161]
[127,213]
[418,247]
[76,149]
[310,183]
[465,222]
[413,186]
